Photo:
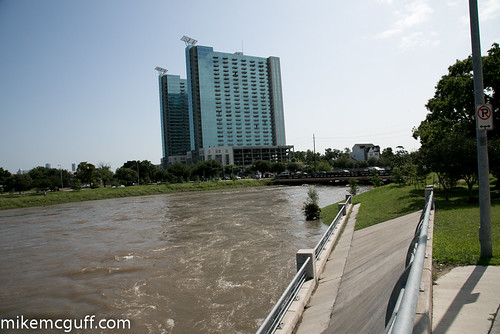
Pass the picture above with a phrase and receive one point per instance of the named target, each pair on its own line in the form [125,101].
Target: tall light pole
[62,184]
[482,142]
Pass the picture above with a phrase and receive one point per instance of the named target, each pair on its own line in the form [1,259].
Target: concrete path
[466,300]
[358,279]
[375,263]
[316,316]
[356,284]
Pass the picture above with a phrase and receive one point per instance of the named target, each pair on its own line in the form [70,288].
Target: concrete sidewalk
[357,281]
[466,300]
[316,316]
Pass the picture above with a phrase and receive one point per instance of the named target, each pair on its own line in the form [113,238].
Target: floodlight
[161,70]
[188,40]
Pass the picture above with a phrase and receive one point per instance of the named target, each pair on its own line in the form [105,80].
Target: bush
[311,208]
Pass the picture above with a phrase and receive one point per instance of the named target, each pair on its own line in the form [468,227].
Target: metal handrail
[404,314]
[324,239]
[273,319]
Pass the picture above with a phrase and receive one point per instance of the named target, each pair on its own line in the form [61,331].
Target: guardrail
[403,316]
[324,239]
[273,320]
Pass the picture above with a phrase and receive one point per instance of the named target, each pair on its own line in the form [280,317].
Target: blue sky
[77,78]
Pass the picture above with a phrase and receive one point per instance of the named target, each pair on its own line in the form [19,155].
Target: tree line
[130,173]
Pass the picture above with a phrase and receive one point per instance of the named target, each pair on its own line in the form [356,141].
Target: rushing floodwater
[199,262]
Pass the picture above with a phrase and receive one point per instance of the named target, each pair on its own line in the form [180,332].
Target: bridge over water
[364,176]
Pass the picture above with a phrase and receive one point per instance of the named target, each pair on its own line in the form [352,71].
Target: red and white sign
[484,114]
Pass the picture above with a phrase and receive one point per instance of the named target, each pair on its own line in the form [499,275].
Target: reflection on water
[204,262]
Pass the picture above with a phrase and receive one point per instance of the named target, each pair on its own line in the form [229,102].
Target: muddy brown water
[199,262]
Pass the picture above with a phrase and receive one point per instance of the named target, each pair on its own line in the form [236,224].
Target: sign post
[483,113]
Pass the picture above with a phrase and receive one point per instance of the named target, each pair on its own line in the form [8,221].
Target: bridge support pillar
[301,257]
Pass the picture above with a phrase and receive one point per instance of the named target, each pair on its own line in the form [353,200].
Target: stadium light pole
[482,141]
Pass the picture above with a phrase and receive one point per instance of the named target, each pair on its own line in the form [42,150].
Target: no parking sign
[484,115]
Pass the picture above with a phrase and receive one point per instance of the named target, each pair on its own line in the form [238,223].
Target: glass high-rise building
[174,118]
[235,100]
[230,108]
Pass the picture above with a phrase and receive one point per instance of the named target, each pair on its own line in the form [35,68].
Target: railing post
[342,207]
[301,257]
[348,199]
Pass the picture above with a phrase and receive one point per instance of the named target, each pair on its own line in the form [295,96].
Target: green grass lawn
[456,230]
[456,220]
[12,201]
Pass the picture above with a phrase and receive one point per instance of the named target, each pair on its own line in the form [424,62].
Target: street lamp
[62,185]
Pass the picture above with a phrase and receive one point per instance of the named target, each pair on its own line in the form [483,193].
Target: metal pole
[62,184]
[482,142]
[138,182]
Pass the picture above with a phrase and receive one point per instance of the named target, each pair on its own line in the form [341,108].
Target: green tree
[180,170]
[46,178]
[323,166]
[353,186]
[293,167]
[375,178]
[86,173]
[452,107]
[18,182]
[310,207]
[147,171]
[262,166]
[4,174]
[232,170]
[126,175]
[447,134]
[494,159]
[104,173]
[278,167]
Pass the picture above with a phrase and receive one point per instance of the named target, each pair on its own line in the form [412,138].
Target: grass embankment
[12,201]
[456,220]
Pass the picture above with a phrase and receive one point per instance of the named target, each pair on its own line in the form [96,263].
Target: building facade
[229,102]
[363,152]
[174,113]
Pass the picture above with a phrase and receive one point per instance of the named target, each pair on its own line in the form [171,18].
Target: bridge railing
[273,320]
[402,318]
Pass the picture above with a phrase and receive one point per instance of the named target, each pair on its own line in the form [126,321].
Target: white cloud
[388,33]
[411,15]
[489,10]
[418,40]
[407,20]
[415,13]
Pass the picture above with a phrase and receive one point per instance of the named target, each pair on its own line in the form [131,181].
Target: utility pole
[482,141]
[138,180]
[314,151]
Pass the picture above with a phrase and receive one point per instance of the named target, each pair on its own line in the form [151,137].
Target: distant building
[363,152]
[230,108]
[174,113]
[47,165]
